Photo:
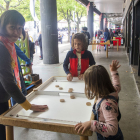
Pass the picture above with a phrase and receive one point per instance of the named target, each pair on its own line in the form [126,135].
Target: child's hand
[114,65]
[69,77]
[83,126]
[80,77]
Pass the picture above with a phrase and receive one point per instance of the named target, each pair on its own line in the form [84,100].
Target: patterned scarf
[11,48]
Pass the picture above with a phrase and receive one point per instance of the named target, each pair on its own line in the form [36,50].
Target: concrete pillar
[49,31]
[101,21]
[90,20]
[105,23]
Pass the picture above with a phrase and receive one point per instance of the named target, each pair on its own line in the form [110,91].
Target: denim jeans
[118,136]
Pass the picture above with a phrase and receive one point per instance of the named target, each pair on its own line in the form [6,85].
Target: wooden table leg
[106,51]
[83,137]
[117,45]
[92,47]
[9,133]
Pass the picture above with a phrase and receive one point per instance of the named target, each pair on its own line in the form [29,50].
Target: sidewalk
[129,102]
[62,48]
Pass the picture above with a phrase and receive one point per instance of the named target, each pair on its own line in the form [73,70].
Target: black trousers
[3,107]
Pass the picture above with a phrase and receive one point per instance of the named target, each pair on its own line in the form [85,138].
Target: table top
[66,113]
[77,85]
[104,43]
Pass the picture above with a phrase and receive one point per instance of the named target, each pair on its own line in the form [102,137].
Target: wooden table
[105,43]
[60,117]
[114,40]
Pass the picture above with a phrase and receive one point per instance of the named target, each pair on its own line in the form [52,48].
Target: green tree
[9,4]
[80,11]
[65,10]
[22,6]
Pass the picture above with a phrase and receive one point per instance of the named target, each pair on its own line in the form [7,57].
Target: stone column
[90,19]
[101,21]
[49,32]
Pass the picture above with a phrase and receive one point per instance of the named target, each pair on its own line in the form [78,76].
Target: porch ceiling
[112,8]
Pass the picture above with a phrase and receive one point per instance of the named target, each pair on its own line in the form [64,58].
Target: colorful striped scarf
[11,48]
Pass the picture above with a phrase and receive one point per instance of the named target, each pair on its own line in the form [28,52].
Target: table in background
[105,43]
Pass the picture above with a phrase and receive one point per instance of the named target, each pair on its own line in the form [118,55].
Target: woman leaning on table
[11,28]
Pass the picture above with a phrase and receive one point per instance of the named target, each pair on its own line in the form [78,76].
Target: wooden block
[60,88]
[70,90]
[88,103]
[56,85]
[72,97]
[35,89]
[62,100]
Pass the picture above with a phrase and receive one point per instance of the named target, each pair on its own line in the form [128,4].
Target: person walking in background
[106,36]
[32,50]
[71,40]
[87,35]
[40,44]
[111,37]
[95,33]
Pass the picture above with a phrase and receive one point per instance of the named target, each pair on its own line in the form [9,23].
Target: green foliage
[65,9]
[80,11]
[37,9]
[23,7]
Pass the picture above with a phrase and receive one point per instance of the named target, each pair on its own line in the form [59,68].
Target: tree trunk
[68,31]
[77,27]
[7,5]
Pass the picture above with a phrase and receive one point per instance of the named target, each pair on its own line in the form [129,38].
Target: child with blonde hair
[79,58]
[106,111]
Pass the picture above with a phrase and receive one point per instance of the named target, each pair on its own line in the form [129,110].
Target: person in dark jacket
[71,41]
[11,28]
[86,33]
[40,44]
[106,36]
[79,59]
[111,36]
[32,49]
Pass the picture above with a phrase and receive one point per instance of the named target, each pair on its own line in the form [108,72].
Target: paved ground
[129,96]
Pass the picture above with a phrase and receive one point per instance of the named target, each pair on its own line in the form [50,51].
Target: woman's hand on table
[82,126]
[80,77]
[38,108]
[69,77]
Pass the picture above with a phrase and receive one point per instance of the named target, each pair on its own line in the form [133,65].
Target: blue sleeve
[22,55]
[91,59]
[39,38]
[66,63]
